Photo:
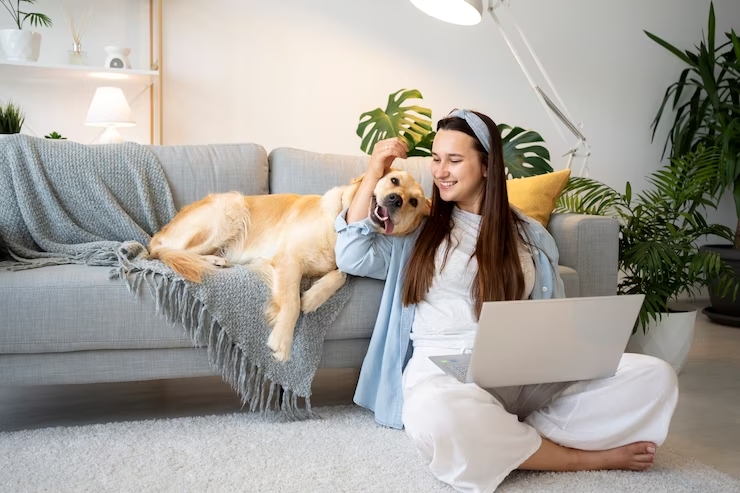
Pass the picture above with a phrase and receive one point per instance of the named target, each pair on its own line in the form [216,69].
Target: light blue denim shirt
[360,251]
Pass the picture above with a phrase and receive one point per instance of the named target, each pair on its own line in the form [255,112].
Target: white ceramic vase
[19,45]
[669,339]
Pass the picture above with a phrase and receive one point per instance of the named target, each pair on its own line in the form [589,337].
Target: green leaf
[680,85]
[670,48]
[735,44]
[37,20]
[523,153]
[410,123]
[423,148]
[710,30]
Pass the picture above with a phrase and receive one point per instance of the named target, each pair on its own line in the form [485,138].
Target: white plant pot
[669,339]
[20,46]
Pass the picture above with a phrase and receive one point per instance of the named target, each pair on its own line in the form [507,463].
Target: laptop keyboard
[458,371]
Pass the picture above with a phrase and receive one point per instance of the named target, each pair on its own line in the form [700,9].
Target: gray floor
[706,424]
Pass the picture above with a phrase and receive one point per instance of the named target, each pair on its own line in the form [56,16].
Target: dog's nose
[395,200]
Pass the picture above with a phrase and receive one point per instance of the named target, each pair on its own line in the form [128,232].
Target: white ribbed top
[446,316]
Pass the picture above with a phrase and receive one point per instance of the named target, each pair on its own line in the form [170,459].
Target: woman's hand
[384,153]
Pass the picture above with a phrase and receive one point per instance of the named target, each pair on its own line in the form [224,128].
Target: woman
[475,247]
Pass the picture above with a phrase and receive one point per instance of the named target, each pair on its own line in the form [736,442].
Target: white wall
[298,73]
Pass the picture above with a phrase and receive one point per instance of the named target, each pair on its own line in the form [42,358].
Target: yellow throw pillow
[536,196]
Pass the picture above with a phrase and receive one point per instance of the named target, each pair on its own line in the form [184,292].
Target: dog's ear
[360,178]
[429,204]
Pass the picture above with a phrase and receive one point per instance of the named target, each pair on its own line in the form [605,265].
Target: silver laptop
[545,341]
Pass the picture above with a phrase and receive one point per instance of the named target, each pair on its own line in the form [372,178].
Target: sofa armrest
[590,245]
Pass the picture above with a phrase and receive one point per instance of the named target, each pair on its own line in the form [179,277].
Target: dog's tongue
[387,223]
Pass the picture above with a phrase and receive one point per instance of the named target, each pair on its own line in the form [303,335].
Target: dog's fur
[284,237]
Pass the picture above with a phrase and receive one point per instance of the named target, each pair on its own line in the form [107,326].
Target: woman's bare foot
[553,457]
[633,457]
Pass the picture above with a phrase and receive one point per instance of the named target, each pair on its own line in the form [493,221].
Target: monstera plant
[524,152]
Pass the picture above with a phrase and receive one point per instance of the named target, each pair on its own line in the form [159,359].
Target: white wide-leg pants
[470,442]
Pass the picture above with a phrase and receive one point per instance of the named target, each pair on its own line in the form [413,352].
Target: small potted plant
[20,45]
[11,119]
[658,254]
[55,136]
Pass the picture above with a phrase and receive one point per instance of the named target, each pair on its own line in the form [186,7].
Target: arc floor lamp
[470,12]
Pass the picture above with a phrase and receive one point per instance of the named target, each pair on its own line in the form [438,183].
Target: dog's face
[398,205]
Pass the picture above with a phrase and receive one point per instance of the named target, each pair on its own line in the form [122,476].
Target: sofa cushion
[194,171]
[537,195]
[76,307]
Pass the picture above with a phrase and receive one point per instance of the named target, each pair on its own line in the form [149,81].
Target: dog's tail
[188,265]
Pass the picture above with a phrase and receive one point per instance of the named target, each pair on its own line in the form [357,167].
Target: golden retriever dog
[284,237]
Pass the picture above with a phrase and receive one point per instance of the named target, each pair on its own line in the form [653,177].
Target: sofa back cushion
[313,173]
[194,171]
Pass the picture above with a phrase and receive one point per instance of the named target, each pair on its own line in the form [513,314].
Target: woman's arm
[360,250]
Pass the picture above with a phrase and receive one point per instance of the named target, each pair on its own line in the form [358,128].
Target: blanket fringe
[257,393]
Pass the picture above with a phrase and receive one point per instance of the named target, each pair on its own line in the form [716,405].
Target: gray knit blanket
[63,202]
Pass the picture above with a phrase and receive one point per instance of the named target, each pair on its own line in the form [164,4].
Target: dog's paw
[310,301]
[215,260]
[280,346]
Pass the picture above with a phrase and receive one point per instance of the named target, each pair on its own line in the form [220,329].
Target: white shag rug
[345,451]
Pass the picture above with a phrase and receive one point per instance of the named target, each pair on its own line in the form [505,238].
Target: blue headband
[477,125]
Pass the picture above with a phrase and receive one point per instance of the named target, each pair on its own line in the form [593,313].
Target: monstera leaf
[410,123]
[523,153]
[423,148]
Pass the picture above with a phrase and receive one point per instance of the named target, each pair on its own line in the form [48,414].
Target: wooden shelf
[34,70]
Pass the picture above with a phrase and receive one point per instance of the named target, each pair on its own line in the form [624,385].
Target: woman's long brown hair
[499,275]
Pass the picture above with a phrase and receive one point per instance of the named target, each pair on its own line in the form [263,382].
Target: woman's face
[457,170]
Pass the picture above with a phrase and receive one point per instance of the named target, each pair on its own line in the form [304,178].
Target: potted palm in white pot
[19,44]
[658,252]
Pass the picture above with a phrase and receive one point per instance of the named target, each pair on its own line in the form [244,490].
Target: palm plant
[20,17]
[524,153]
[659,228]
[11,119]
[706,101]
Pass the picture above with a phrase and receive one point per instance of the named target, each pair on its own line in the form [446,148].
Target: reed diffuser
[78,17]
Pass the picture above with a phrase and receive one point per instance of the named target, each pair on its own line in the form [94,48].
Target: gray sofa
[71,324]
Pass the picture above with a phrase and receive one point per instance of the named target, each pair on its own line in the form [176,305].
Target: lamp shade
[109,108]
[462,12]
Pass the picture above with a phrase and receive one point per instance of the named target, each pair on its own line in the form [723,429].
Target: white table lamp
[109,109]
[470,12]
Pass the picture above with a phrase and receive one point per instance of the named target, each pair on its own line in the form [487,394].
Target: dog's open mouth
[381,216]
